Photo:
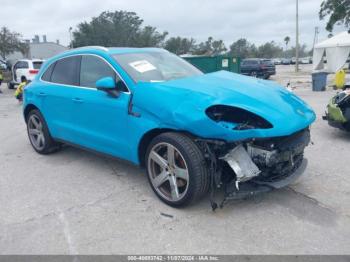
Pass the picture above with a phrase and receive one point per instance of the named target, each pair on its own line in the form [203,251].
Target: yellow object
[19,89]
[340,79]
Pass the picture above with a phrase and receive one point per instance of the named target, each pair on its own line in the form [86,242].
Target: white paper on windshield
[142,66]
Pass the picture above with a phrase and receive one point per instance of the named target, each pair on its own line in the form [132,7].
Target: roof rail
[95,47]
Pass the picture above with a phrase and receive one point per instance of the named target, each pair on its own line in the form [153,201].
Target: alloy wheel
[35,131]
[168,172]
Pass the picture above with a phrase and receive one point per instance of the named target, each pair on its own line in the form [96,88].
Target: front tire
[39,135]
[176,169]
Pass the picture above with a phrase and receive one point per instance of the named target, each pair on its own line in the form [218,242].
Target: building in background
[39,49]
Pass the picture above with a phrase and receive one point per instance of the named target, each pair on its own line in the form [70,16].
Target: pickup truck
[262,68]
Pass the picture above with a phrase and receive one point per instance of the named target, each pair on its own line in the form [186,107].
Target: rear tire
[176,169]
[10,85]
[39,135]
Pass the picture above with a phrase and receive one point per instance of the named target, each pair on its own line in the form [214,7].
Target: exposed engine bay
[258,165]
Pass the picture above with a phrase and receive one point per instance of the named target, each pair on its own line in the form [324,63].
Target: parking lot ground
[76,202]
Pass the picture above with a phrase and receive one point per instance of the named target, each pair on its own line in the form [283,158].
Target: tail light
[33,71]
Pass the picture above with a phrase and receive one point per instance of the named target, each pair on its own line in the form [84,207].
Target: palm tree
[287,40]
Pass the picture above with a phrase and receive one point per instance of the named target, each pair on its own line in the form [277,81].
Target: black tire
[10,85]
[49,145]
[266,76]
[198,175]
[347,126]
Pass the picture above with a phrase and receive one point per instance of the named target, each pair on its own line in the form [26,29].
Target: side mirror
[108,85]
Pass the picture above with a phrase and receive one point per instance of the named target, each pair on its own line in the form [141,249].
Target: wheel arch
[27,109]
[148,137]
[146,140]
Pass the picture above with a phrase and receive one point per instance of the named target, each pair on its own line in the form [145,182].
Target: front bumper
[333,123]
[334,115]
[252,187]
[265,165]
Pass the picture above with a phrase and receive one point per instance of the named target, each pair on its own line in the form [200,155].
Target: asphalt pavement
[76,202]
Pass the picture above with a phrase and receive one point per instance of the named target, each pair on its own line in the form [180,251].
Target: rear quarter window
[21,65]
[47,74]
[66,71]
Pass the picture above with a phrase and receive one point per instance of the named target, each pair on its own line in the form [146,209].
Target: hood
[182,103]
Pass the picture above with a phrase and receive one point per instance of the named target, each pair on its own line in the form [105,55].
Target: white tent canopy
[337,50]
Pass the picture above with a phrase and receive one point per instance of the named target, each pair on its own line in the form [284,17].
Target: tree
[287,40]
[218,47]
[119,28]
[150,37]
[338,12]
[179,45]
[204,48]
[243,49]
[210,47]
[269,50]
[10,42]
[302,51]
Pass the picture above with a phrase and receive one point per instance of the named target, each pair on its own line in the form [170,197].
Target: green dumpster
[208,64]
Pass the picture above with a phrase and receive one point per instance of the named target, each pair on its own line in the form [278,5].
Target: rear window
[267,62]
[66,71]
[37,65]
[250,62]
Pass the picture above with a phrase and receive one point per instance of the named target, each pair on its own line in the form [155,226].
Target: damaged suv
[338,111]
[193,132]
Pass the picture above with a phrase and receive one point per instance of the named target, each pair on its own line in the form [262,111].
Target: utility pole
[297,38]
[315,37]
[70,37]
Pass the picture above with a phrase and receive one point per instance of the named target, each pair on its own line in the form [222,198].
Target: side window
[66,71]
[92,69]
[21,65]
[25,65]
[47,75]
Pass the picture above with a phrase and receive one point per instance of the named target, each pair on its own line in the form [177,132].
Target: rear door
[269,66]
[56,96]
[249,66]
[100,118]
[20,69]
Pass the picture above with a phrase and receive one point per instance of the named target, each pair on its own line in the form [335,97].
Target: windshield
[155,66]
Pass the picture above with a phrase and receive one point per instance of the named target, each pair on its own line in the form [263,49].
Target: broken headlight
[236,118]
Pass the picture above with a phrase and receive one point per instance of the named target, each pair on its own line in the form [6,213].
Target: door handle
[77,100]
[42,94]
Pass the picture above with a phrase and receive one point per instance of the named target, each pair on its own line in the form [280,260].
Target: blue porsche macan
[192,132]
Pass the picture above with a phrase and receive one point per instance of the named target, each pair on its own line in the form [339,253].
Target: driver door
[101,119]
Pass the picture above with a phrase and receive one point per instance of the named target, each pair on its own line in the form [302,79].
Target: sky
[259,21]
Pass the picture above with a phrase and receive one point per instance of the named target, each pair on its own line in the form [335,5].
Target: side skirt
[99,153]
